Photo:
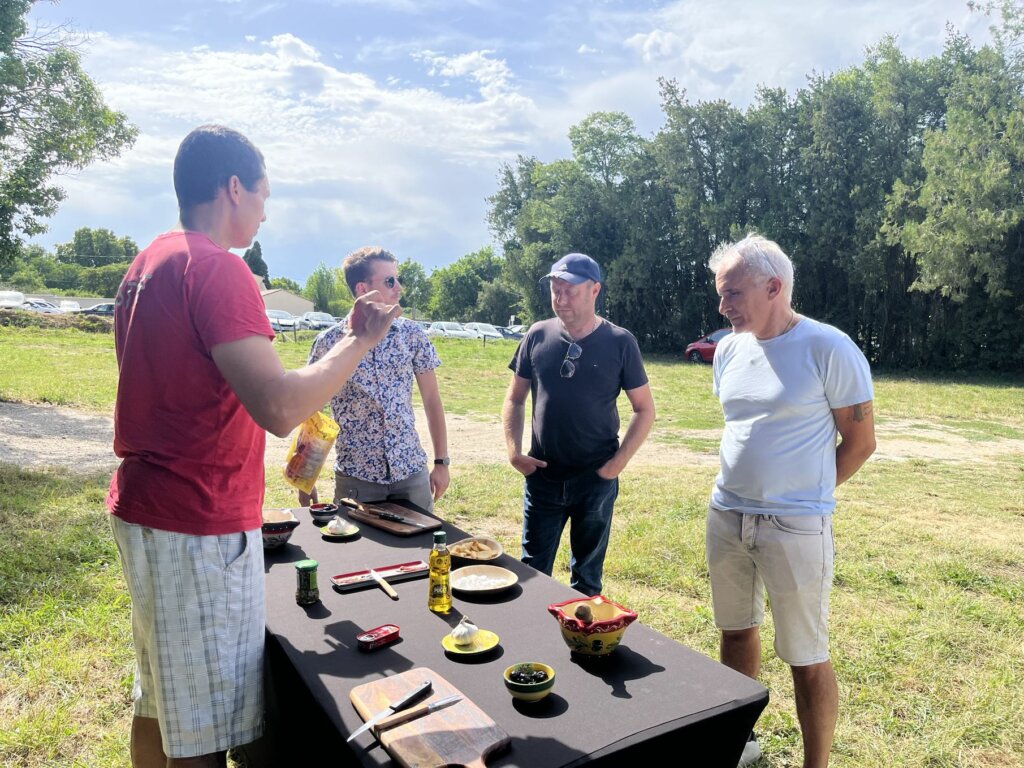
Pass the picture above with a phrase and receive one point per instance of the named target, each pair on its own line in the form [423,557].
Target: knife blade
[384,585]
[384,514]
[407,700]
[420,711]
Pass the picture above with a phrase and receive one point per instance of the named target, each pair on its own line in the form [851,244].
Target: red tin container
[378,636]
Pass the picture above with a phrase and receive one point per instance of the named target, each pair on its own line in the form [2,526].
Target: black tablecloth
[651,694]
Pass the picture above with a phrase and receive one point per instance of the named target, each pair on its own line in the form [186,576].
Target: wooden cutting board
[365,515]
[462,734]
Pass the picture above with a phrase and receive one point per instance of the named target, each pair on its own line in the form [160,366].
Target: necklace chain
[597,322]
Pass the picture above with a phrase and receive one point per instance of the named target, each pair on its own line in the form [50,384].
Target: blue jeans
[586,500]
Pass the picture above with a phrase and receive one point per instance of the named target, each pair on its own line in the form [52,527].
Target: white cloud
[656,45]
[347,155]
[584,49]
[292,49]
[493,75]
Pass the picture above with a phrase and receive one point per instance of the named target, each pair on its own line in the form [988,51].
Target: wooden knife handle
[384,585]
[402,717]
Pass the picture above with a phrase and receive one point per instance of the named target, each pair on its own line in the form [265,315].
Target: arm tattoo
[861,411]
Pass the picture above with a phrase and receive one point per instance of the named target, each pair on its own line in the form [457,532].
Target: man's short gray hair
[763,257]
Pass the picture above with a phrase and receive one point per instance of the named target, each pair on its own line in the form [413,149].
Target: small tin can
[306,590]
[378,636]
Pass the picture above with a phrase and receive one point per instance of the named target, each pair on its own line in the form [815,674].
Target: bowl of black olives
[529,681]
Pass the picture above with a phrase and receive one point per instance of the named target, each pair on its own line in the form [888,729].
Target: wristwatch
[443,462]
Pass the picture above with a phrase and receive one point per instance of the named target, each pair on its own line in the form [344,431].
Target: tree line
[895,186]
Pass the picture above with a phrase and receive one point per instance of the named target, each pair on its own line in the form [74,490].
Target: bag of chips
[312,442]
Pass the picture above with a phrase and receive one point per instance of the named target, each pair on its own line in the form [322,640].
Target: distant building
[279,298]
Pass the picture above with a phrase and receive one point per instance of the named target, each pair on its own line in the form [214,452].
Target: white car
[11,299]
[41,305]
[450,330]
[484,330]
[281,320]
[70,306]
[316,320]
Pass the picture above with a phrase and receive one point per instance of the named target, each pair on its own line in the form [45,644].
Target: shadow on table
[297,711]
[618,668]
[286,553]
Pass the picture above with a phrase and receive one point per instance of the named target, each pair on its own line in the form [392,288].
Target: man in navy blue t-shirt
[574,365]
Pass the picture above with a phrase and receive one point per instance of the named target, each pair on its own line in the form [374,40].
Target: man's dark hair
[357,265]
[207,158]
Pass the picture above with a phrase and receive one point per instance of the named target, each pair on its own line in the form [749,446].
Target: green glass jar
[306,591]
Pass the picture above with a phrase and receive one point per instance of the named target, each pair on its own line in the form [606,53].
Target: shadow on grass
[55,527]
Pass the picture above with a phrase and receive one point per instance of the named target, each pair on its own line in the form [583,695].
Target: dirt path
[40,435]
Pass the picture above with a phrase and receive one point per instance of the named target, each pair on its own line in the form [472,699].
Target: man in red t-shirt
[199,382]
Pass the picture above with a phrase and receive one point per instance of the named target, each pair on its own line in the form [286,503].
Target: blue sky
[385,122]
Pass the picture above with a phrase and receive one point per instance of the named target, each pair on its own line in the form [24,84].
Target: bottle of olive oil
[439,600]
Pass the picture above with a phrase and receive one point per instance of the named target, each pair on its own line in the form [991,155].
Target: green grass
[927,623]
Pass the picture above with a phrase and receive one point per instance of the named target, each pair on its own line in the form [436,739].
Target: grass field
[928,605]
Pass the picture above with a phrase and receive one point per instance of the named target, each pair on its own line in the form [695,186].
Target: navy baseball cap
[575,268]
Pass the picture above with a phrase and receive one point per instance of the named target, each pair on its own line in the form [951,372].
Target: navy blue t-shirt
[575,426]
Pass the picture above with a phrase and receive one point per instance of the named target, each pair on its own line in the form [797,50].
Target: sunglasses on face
[568,369]
[391,281]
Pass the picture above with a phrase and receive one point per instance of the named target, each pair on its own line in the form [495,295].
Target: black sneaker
[751,752]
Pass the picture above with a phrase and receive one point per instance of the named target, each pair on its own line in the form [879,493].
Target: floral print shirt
[378,441]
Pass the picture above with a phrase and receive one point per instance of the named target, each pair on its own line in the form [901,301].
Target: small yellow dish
[484,641]
[349,530]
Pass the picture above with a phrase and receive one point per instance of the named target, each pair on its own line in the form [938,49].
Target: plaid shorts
[198,625]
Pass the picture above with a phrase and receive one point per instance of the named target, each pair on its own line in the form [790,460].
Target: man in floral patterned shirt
[379,456]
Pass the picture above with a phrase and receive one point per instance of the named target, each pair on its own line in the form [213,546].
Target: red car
[703,349]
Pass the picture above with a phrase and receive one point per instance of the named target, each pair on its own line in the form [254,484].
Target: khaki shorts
[198,625]
[792,558]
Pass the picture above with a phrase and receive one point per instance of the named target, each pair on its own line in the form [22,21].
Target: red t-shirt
[192,455]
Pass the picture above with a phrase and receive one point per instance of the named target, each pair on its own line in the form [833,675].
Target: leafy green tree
[102,281]
[52,120]
[97,248]
[496,303]
[415,285]
[604,144]
[286,284]
[321,288]
[456,288]
[253,257]
[966,221]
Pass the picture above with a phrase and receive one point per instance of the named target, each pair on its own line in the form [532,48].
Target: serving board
[462,734]
[346,582]
[365,514]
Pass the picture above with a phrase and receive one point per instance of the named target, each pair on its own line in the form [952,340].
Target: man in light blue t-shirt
[790,387]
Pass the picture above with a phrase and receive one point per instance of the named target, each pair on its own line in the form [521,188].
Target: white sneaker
[751,752]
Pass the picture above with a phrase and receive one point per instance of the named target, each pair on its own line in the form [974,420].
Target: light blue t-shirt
[778,451]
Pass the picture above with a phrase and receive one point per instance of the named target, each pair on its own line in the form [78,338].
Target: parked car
[41,305]
[508,333]
[11,299]
[70,306]
[316,320]
[483,330]
[281,320]
[106,309]
[703,349]
[450,330]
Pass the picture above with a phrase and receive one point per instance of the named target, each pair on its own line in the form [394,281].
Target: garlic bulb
[464,632]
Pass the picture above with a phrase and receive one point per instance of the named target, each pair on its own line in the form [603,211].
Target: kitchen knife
[410,698]
[394,517]
[420,711]
[382,514]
